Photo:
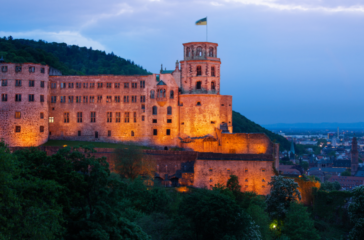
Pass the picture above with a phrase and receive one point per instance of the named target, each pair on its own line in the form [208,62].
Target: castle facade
[178,108]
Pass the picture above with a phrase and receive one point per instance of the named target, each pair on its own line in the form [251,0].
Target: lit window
[17,115]
[51,119]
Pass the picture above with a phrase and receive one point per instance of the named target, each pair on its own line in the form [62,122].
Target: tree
[233,184]
[304,165]
[298,225]
[345,173]
[283,191]
[356,213]
[261,218]
[329,186]
[130,162]
[214,216]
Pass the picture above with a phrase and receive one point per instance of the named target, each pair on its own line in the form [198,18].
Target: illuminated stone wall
[120,131]
[29,112]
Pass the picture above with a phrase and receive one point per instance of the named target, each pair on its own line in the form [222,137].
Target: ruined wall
[142,126]
[244,143]
[202,113]
[31,115]
[253,175]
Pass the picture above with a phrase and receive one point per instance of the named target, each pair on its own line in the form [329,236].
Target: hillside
[70,60]
[243,125]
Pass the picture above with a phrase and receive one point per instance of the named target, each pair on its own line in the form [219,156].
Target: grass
[60,143]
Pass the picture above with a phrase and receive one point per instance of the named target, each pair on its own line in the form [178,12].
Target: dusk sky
[283,61]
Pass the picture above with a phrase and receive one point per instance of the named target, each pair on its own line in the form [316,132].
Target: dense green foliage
[243,125]
[356,213]
[70,60]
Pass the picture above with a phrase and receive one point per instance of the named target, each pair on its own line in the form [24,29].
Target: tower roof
[292,148]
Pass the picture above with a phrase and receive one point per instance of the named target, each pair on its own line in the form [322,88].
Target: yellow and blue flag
[202,21]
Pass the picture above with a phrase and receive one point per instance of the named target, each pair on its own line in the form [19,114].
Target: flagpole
[206,29]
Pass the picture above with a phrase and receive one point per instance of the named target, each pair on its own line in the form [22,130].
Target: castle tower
[354,156]
[202,109]
[200,68]
[24,104]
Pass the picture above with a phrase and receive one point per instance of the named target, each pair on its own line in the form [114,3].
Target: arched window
[198,85]
[211,52]
[213,71]
[199,71]
[169,110]
[152,94]
[155,112]
[199,51]
[213,86]
[132,133]
[188,52]
[171,94]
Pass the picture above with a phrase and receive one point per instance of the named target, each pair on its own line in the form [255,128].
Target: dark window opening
[169,110]
[165,148]
[154,120]
[213,71]
[42,84]
[213,86]
[168,132]
[198,85]
[109,133]
[155,132]
[155,110]
[42,70]
[31,83]
[169,120]
[171,95]
[96,134]
[4,97]
[198,104]
[132,133]
[79,133]
[199,71]
[17,129]
[31,97]
[41,129]
[182,123]
[213,122]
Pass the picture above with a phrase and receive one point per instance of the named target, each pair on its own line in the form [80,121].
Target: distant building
[287,170]
[354,156]
[348,183]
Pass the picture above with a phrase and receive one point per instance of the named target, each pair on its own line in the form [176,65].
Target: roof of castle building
[167,71]
[161,83]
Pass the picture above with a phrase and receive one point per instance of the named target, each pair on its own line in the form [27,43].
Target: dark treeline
[72,195]
[243,125]
[70,60]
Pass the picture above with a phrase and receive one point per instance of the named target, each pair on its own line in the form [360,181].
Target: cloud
[69,37]
[302,6]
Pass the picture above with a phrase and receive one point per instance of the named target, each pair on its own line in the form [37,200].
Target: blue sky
[283,61]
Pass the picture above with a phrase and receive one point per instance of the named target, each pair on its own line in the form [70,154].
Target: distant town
[327,155]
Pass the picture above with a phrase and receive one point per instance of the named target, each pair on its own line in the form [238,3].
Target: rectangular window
[4,83]
[78,85]
[4,97]
[92,85]
[17,115]
[133,99]
[18,69]
[79,117]
[117,85]
[66,117]
[99,99]
[31,97]
[142,84]
[109,117]
[117,99]
[109,133]
[108,99]
[51,119]
[63,99]
[85,85]
[155,132]
[135,117]
[17,129]
[62,85]
[17,83]
[169,120]
[53,85]
[126,117]
[70,99]
[126,99]
[118,117]
[42,70]
[79,133]
[53,99]
[78,99]
[41,115]
[143,107]
[92,99]
[99,85]
[41,98]
[70,85]
[93,117]
[41,128]
[108,85]
[126,85]
[42,84]
[85,99]
[142,98]
[168,132]
[134,85]
[154,120]
[31,83]
[4,68]
[143,118]
[31,69]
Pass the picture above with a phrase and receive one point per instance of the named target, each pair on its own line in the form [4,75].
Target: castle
[181,108]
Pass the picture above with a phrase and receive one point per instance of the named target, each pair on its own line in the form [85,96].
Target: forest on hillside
[69,59]
[243,125]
